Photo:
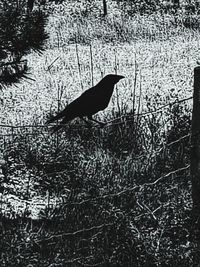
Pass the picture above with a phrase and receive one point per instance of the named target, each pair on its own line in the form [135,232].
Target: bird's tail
[55,128]
[55,118]
[66,119]
[66,115]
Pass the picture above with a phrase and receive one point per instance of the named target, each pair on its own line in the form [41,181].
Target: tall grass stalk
[134,83]
[139,100]
[58,110]
[79,66]
[116,87]
[91,65]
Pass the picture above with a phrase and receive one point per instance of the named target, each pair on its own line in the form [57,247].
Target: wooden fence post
[105,11]
[195,144]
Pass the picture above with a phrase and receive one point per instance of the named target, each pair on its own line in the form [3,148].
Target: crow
[89,103]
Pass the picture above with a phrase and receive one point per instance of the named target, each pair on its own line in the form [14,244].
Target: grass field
[122,193]
[163,64]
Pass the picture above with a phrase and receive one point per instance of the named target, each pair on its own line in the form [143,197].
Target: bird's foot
[88,123]
[102,124]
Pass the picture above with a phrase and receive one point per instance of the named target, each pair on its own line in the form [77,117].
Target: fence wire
[83,217]
[26,135]
[115,121]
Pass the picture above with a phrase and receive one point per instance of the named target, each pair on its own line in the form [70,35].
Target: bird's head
[112,78]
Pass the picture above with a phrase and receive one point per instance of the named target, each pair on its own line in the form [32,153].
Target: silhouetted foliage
[20,31]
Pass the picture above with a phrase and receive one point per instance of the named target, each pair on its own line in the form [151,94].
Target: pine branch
[13,72]
[20,31]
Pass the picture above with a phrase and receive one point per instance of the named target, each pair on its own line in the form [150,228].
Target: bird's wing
[59,126]
[86,104]
[90,102]
[73,110]
[97,98]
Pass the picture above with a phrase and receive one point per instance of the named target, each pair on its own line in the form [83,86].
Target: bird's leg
[99,122]
[86,121]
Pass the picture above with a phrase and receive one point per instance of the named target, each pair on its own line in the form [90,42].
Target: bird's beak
[120,77]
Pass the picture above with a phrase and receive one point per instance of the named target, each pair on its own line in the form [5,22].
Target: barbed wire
[154,154]
[107,196]
[120,193]
[70,234]
[107,124]
[153,111]
[158,151]
[136,187]
[99,227]
[128,190]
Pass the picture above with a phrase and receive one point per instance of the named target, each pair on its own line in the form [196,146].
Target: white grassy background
[165,68]
[163,57]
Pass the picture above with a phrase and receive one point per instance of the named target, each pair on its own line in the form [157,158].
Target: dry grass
[163,66]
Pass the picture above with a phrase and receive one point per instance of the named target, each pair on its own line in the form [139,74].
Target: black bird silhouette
[89,103]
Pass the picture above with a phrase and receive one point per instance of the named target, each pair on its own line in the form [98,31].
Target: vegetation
[20,31]
[113,196]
